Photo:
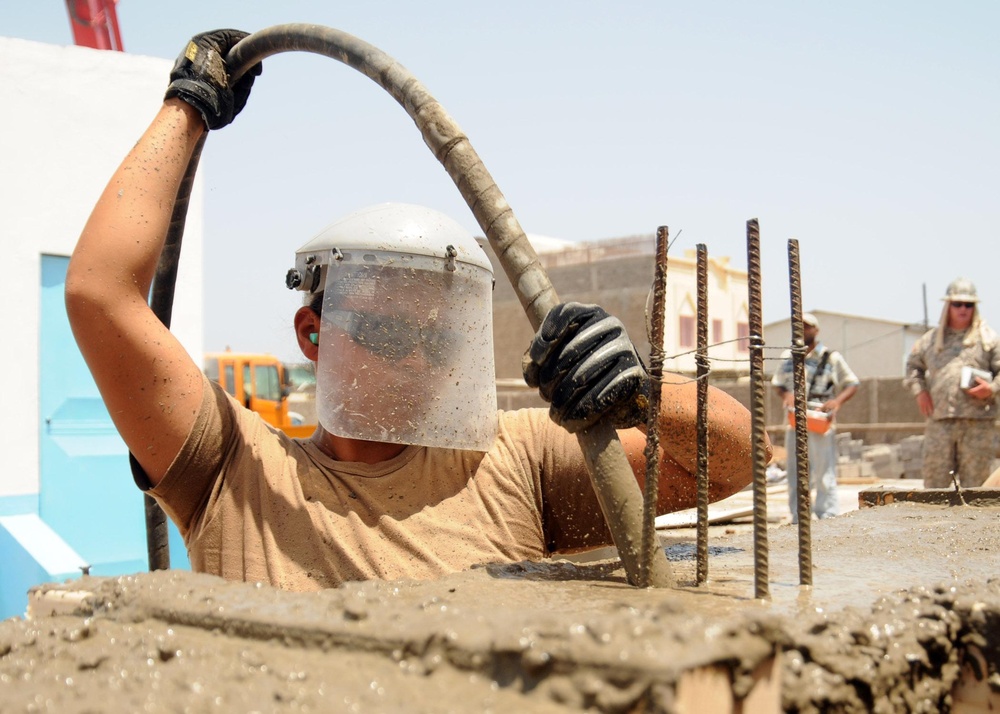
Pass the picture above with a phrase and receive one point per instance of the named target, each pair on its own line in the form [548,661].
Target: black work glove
[200,77]
[584,364]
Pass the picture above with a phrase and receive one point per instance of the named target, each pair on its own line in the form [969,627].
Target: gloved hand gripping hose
[614,483]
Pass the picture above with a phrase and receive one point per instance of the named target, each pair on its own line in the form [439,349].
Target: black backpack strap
[819,368]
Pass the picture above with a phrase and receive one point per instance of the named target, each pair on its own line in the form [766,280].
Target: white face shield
[406,341]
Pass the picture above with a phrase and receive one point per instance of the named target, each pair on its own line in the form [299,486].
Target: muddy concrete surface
[902,601]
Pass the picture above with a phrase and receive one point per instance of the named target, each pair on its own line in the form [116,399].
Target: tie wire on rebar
[756,347]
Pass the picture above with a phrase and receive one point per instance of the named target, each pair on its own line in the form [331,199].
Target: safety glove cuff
[201,78]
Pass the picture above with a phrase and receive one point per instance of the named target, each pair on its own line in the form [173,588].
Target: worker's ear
[306,330]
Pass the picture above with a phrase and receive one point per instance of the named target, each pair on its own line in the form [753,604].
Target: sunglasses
[963,304]
[394,337]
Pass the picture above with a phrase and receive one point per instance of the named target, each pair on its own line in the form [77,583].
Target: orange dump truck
[260,383]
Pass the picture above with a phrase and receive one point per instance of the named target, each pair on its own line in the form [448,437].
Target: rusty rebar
[650,541]
[804,495]
[958,487]
[702,364]
[758,433]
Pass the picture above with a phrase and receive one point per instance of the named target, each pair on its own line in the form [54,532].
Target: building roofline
[850,316]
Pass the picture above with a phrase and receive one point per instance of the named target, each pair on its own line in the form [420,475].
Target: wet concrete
[901,598]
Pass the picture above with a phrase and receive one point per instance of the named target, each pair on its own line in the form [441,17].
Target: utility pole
[926,324]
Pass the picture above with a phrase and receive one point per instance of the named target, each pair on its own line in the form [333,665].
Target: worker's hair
[314,302]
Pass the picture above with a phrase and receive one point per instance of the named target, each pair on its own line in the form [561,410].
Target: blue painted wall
[86,492]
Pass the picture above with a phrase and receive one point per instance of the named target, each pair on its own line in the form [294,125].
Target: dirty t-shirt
[253,504]
[940,371]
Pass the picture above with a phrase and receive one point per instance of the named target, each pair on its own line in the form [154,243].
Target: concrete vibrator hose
[617,490]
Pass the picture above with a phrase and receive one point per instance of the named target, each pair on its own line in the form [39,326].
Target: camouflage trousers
[963,446]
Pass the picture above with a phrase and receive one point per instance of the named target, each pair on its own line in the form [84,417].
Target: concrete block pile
[885,460]
[911,454]
[848,447]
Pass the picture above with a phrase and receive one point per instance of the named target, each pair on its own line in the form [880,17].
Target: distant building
[618,275]
[873,347]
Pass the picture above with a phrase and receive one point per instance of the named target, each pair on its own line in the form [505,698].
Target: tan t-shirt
[253,504]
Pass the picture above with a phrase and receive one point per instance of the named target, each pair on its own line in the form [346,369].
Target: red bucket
[817,422]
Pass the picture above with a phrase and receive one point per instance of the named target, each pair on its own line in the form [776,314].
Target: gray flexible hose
[615,485]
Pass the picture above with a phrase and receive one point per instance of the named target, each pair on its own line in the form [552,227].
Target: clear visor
[406,352]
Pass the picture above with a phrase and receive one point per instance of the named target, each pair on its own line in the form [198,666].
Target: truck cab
[258,382]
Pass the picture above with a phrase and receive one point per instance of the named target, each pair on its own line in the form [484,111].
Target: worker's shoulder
[835,356]
[988,334]
[925,340]
[532,431]
[530,417]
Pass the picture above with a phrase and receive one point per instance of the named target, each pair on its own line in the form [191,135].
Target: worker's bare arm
[587,368]
[730,445]
[152,387]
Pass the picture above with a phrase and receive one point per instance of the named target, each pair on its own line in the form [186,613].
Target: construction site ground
[902,616]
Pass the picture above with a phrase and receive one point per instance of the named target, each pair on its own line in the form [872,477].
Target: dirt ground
[901,596]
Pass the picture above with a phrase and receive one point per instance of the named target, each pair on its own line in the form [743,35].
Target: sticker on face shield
[355,286]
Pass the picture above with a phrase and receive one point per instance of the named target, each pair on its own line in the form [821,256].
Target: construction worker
[406,476]
[953,371]
[830,383]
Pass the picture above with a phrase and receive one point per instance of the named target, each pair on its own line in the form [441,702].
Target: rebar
[958,487]
[702,364]
[758,433]
[650,541]
[804,496]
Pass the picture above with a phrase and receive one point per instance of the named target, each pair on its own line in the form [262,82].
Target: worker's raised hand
[200,77]
[584,364]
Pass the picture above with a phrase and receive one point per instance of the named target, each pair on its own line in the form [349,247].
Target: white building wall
[727,299]
[70,114]
[873,348]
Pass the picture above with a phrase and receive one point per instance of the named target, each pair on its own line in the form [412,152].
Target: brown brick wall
[620,287]
[878,401]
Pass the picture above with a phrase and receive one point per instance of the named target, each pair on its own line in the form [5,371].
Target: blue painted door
[87,494]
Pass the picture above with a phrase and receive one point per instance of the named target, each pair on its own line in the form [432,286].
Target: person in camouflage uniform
[960,435]
[831,382]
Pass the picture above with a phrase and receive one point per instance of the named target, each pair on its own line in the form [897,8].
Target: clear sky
[867,131]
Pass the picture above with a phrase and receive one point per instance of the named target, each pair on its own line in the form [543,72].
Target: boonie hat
[961,290]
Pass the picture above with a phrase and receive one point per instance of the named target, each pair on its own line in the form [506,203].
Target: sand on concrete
[901,597]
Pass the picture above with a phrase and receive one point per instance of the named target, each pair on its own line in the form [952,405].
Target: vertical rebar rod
[758,433]
[803,504]
[650,541]
[702,364]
